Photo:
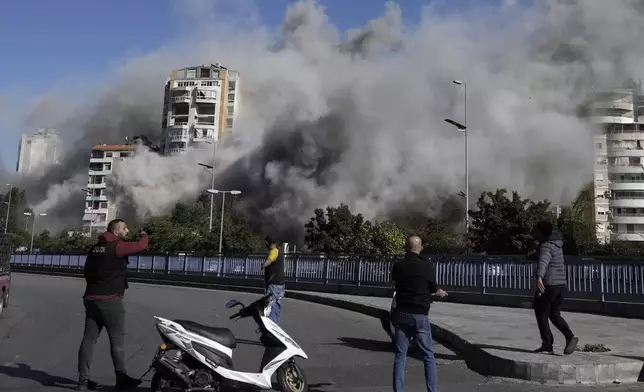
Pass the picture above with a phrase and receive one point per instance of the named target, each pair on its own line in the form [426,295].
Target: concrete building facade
[201,104]
[619,164]
[38,151]
[99,209]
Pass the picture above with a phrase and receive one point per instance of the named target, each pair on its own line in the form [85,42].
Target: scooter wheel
[160,383]
[291,378]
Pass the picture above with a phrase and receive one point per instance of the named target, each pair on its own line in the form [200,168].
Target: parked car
[5,271]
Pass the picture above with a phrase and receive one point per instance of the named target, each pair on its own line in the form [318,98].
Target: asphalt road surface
[41,330]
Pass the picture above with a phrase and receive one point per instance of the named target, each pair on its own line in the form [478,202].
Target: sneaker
[544,349]
[125,382]
[88,386]
[571,345]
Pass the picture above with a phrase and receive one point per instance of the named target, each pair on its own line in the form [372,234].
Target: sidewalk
[498,341]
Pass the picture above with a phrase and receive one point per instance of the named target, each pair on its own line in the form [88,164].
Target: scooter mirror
[232,303]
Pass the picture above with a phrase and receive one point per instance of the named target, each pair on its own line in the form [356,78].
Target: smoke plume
[358,118]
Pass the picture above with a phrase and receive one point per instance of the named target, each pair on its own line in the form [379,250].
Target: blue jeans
[407,326]
[278,293]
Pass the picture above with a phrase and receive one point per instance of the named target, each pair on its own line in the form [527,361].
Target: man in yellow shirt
[274,276]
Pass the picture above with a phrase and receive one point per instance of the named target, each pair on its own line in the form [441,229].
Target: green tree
[186,229]
[576,223]
[387,238]
[503,225]
[339,231]
[438,237]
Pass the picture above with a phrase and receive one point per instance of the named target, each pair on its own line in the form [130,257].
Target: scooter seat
[223,336]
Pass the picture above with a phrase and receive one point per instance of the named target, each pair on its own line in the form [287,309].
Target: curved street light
[214,192]
[33,227]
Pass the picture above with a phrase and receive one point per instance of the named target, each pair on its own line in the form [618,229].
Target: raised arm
[124,249]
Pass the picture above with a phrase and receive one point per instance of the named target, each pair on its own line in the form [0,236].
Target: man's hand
[264,265]
[540,285]
[440,293]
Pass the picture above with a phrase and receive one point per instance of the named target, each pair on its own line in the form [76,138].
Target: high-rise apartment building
[619,164]
[200,106]
[38,151]
[99,209]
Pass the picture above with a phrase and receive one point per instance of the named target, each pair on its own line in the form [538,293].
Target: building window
[598,145]
[232,86]
[630,228]
[599,177]
[103,205]
[191,73]
[229,122]
[108,154]
[108,166]
[204,73]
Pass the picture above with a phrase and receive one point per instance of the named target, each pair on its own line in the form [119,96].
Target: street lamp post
[212,181]
[464,194]
[33,227]
[467,167]
[213,192]
[6,222]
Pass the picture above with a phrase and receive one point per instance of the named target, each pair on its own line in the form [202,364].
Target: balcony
[175,151]
[205,96]
[94,212]
[632,219]
[618,105]
[96,198]
[627,185]
[627,203]
[612,119]
[626,169]
[180,135]
[207,122]
[96,186]
[100,160]
[629,236]
[184,98]
[179,122]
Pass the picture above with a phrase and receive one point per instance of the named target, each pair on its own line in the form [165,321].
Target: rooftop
[115,147]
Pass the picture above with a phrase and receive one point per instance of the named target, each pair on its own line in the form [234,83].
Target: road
[41,330]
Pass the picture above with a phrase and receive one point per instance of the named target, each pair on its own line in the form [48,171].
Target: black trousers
[99,314]
[548,307]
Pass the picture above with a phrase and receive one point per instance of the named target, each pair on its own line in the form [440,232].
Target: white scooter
[196,357]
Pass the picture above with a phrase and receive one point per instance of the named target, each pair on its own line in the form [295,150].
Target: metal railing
[606,279]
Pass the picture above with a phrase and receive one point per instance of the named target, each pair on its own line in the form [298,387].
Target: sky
[69,45]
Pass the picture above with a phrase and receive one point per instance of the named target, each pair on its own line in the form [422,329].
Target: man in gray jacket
[551,284]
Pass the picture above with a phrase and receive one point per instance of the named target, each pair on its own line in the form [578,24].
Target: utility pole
[6,222]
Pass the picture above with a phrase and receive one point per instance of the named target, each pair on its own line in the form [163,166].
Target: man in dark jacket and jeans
[551,284]
[415,283]
[106,276]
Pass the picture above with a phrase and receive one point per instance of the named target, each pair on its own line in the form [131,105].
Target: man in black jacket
[415,283]
[106,277]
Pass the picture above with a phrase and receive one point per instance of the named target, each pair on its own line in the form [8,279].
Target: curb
[483,362]
[477,358]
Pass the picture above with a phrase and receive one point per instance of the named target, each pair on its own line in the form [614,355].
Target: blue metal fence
[603,279]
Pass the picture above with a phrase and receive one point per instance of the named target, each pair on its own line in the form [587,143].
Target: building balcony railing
[186,98]
[175,137]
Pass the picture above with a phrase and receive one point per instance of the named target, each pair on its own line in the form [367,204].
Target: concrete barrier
[607,308]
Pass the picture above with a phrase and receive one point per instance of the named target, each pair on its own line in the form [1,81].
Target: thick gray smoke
[359,120]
